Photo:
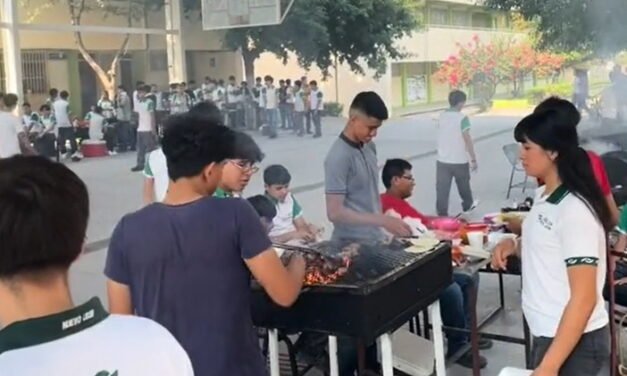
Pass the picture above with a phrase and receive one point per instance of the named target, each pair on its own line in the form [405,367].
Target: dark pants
[45,145]
[287,111]
[456,306]
[146,142]
[123,131]
[299,122]
[347,357]
[272,121]
[445,173]
[620,291]
[110,138]
[308,120]
[591,356]
[315,117]
[65,134]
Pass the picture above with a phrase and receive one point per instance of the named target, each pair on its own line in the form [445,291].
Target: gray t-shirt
[185,268]
[351,169]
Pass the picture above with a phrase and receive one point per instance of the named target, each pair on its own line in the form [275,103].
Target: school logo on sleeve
[576,261]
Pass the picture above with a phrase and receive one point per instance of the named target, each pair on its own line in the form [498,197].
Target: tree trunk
[249,66]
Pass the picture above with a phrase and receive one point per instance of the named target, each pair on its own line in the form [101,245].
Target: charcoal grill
[383,289]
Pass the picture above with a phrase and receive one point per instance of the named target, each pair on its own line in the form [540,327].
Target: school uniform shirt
[179,103]
[560,232]
[124,107]
[96,125]
[145,108]
[10,128]
[108,111]
[451,146]
[49,124]
[286,212]
[62,113]
[315,99]
[32,122]
[88,341]
[190,276]
[233,94]
[270,97]
[156,168]
[219,96]
[299,101]
[622,223]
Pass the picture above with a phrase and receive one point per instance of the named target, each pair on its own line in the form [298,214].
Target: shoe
[317,136]
[472,207]
[137,169]
[466,361]
[113,152]
[485,344]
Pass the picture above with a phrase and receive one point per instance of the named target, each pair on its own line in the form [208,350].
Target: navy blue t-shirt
[185,269]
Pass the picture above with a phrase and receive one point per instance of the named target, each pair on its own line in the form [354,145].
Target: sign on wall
[416,89]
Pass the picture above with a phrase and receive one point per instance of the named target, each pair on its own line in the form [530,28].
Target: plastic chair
[512,153]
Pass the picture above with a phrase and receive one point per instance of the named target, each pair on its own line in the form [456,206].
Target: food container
[445,224]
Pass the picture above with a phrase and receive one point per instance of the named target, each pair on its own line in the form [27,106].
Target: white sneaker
[113,152]
[472,207]
[77,155]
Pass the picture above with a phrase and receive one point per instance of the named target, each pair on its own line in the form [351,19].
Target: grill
[382,290]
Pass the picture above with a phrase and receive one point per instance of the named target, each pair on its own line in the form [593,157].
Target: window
[438,16]
[34,71]
[158,61]
[460,18]
[482,20]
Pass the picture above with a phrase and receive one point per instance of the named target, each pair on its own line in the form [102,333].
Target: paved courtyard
[114,191]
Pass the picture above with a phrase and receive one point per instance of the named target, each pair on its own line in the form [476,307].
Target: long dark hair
[551,131]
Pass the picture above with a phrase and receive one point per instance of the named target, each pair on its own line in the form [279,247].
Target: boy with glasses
[238,171]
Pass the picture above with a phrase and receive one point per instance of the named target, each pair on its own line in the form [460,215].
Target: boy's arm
[470,149]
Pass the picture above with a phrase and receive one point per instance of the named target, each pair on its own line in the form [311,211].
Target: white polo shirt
[145,107]
[451,145]
[10,128]
[286,212]
[87,340]
[156,168]
[559,232]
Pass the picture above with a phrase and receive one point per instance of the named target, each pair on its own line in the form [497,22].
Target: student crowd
[185,260]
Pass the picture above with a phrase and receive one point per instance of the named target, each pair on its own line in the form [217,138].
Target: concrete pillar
[175,48]
[11,47]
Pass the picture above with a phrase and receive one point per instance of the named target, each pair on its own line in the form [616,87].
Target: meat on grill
[325,268]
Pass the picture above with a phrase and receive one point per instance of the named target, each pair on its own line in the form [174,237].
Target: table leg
[387,359]
[333,366]
[438,338]
[273,347]
[474,333]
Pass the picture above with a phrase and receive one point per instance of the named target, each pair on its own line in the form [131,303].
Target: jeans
[445,173]
[271,117]
[455,306]
[299,122]
[287,121]
[308,118]
[65,134]
[123,130]
[591,356]
[347,356]
[315,117]
[146,142]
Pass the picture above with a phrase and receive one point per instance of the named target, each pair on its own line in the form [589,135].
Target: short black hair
[42,222]
[26,104]
[313,83]
[281,81]
[258,79]
[246,148]
[98,110]
[190,143]
[371,104]
[44,107]
[208,111]
[263,206]
[297,83]
[221,82]
[394,168]
[456,97]
[566,111]
[231,78]
[276,175]
[174,85]
[9,100]
[53,92]
[64,94]
[192,82]
[143,89]
[268,78]
[288,81]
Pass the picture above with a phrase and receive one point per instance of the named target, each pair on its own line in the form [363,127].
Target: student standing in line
[299,109]
[44,332]
[146,127]
[123,127]
[192,274]
[271,100]
[13,135]
[290,104]
[455,146]
[565,252]
[316,107]
[65,128]
[307,99]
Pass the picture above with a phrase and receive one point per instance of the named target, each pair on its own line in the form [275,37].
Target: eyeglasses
[410,178]
[245,166]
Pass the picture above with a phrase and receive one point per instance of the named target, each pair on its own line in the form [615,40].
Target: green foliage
[334,109]
[360,33]
[539,93]
[588,26]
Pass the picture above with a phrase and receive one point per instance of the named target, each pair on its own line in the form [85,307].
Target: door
[89,86]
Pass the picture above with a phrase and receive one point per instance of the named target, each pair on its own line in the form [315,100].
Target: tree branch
[123,48]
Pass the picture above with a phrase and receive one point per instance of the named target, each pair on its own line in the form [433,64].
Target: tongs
[296,248]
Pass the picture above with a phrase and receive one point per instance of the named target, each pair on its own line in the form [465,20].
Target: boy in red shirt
[455,300]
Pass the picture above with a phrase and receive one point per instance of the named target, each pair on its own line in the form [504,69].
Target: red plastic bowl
[445,224]
[476,227]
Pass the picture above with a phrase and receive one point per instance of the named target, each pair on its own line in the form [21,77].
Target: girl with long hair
[563,251]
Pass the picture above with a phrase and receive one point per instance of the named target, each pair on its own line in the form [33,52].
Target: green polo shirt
[221,193]
[622,223]
[86,340]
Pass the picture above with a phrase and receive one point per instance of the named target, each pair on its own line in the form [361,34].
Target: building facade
[51,59]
